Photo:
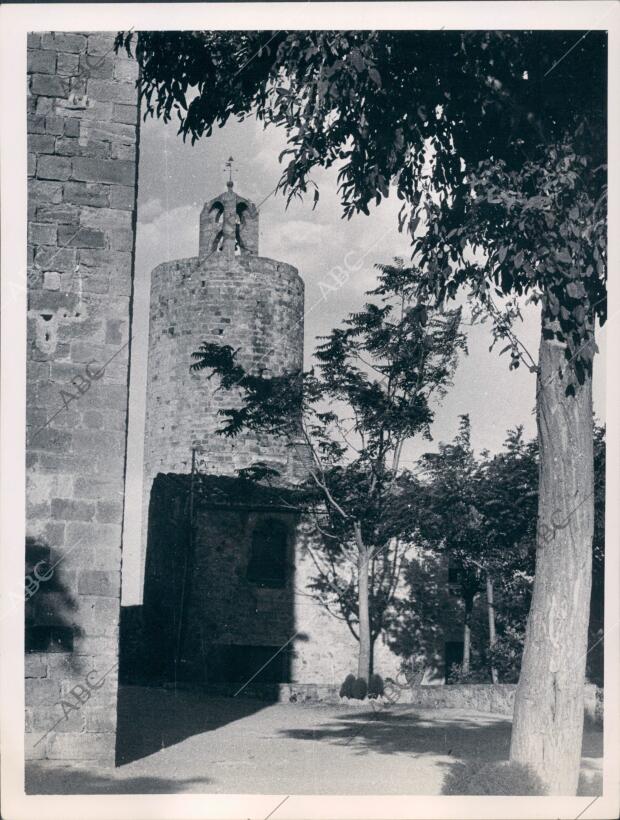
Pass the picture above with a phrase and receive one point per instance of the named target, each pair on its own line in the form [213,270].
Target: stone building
[226,585]
[83,130]
[228,295]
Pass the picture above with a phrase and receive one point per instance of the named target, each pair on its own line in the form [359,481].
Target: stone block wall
[82,159]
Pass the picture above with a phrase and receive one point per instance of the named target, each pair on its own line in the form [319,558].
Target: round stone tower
[226,295]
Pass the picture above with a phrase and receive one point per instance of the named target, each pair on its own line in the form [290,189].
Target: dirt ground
[186,742]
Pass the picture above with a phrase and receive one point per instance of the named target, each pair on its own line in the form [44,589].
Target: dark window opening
[241,222]
[267,565]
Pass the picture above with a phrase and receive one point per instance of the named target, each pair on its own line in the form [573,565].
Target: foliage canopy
[494,141]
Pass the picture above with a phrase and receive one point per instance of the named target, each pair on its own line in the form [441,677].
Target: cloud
[169,235]
[149,211]
[300,232]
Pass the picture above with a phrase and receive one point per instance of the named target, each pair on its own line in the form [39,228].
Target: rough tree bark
[363,662]
[491,615]
[469,605]
[548,716]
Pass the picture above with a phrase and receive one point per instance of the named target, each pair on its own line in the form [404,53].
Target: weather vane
[229,165]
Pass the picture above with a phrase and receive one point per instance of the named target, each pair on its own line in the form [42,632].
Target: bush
[456,675]
[375,686]
[599,709]
[359,689]
[493,778]
[413,670]
[346,690]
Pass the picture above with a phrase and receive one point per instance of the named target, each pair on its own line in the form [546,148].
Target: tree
[507,499]
[377,378]
[417,621]
[597,603]
[493,552]
[496,143]
[448,520]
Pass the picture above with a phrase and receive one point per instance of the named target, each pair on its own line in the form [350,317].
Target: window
[267,565]
[216,215]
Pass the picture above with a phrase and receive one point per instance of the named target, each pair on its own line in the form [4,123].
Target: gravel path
[186,742]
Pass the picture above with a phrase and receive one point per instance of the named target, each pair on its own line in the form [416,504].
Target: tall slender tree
[449,521]
[507,500]
[376,381]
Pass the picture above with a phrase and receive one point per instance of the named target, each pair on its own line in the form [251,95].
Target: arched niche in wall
[216,214]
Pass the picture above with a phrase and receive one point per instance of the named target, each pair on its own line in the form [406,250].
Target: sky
[176,179]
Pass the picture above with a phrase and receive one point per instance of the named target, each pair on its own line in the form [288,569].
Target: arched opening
[240,227]
[216,217]
[216,212]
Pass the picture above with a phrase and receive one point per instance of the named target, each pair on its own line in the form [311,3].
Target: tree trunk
[469,605]
[548,716]
[491,614]
[363,664]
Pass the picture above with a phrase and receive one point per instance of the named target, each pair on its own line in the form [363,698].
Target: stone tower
[228,294]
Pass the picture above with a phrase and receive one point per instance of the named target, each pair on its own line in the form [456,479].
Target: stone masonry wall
[82,155]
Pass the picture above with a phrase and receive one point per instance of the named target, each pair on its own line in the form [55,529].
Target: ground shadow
[407,730]
[403,730]
[49,779]
[152,719]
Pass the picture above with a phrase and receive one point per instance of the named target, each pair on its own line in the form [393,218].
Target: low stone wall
[482,697]
[498,698]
